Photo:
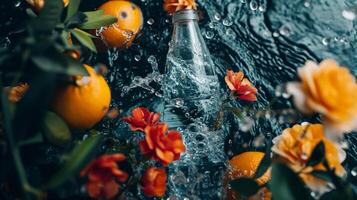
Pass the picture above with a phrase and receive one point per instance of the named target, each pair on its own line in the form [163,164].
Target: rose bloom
[153,182]
[172,6]
[330,90]
[103,175]
[240,86]
[142,118]
[295,147]
[160,146]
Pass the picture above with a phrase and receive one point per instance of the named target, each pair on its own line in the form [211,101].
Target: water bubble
[243,1]
[284,30]
[262,8]
[253,5]
[17,4]
[276,34]
[209,34]
[137,58]
[150,21]
[325,41]
[217,16]
[307,3]
[354,171]
[349,14]
[227,22]
[179,102]
[230,33]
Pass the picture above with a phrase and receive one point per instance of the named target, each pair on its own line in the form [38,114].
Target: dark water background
[267,39]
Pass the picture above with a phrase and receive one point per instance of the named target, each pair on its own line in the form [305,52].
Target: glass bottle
[192,98]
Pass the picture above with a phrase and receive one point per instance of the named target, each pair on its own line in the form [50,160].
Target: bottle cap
[184,15]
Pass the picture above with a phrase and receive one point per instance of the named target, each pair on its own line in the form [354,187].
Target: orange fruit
[85,104]
[245,165]
[130,21]
[38,4]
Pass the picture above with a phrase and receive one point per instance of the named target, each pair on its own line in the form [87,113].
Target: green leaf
[98,21]
[317,155]
[286,185]
[265,162]
[56,62]
[245,186]
[75,20]
[76,161]
[49,17]
[94,14]
[84,38]
[55,129]
[72,8]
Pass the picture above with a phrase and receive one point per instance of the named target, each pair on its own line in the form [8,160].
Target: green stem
[15,153]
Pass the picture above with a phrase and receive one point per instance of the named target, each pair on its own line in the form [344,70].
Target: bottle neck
[184,15]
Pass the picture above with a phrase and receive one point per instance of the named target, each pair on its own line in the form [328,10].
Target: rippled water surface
[267,39]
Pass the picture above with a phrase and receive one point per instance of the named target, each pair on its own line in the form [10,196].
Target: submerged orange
[85,104]
[130,21]
[245,165]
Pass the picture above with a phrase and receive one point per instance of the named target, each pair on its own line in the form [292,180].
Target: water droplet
[227,22]
[349,14]
[276,34]
[243,1]
[262,8]
[137,57]
[253,5]
[217,16]
[325,41]
[307,3]
[150,21]
[209,34]
[17,4]
[354,171]
[284,30]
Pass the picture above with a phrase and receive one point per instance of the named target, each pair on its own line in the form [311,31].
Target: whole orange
[245,165]
[84,104]
[130,21]
[38,4]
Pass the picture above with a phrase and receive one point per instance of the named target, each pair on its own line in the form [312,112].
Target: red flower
[153,182]
[159,146]
[241,86]
[103,174]
[142,118]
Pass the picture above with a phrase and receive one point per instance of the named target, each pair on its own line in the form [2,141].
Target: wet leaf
[286,185]
[317,155]
[49,17]
[84,38]
[55,129]
[94,14]
[76,161]
[245,186]
[72,8]
[98,21]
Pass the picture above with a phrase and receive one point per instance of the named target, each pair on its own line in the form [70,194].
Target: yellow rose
[295,146]
[330,90]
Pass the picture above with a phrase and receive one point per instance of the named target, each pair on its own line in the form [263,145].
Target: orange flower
[240,85]
[16,93]
[153,182]
[330,90]
[295,147]
[172,6]
[159,146]
[103,174]
[142,118]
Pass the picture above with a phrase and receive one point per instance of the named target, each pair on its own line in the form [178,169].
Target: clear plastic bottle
[192,98]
